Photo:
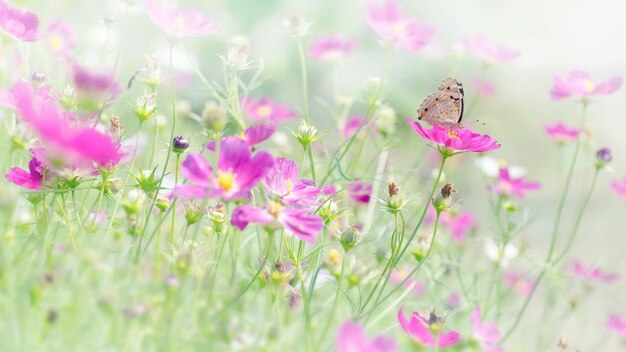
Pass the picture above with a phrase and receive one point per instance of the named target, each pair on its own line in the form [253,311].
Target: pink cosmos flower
[351,338]
[19,24]
[561,133]
[520,284]
[487,50]
[186,22]
[617,324]
[619,187]
[484,88]
[300,221]
[80,146]
[579,83]
[487,334]
[388,21]
[359,192]
[331,48]
[592,274]
[252,135]
[282,181]
[397,276]
[238,171]
[31,179]
[352,126]
[264,110]
[61,37]
[507,186]
[419,328]
[93,86]
[458,140]
[459,224]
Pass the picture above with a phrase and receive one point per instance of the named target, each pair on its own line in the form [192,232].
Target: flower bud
[68,97]
[193,213]
[115,130]
[237,54]
[395,200]
[306,133]
[180,144]
[218,217]
[162,203]
[38,78]
[385,120]
[443,201]
[153,72]
[214,116]
[297,25]
[135,200]
[603,157]
[145,106]
[349,238]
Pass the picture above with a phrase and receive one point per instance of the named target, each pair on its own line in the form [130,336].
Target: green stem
[331,316]
[305,84]
[173,227]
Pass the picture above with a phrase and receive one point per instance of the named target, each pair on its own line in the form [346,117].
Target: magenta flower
[421,330]
[617,324]
[300,221]
[507,186]
[561,133]
[579,83]
[457,140]
[264,110]
[31,179]
[519,284]
[487,334]
[484,88]
[282,181]
[81,146]
[238,171]
[487,50]
[61,37]
[459,224]
[619,187]
[359,192]
[186,22]
[397,276]
[19,24]
[93,85]
[388,21]
[331,48]
[257,134]
[351,338]
[592,274]
[352,126]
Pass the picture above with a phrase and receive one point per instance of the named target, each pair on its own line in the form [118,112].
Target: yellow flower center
[264,111]
[452,134]
[334,256]
[589,85]
[506,187]
[289,186]
[399,28]
[179,22]
[274,209]
[56,43]
[225,180]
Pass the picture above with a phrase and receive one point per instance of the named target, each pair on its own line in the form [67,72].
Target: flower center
[226,180]
[179,22]
[399,28]
[274,209]
[589,85]
[452,134]
[56,43]
[289,186]
[264,111]
[506,187]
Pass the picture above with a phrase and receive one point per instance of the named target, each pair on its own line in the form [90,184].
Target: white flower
[496,253]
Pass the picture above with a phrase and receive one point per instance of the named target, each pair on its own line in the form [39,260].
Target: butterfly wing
[456,95]
[444,107]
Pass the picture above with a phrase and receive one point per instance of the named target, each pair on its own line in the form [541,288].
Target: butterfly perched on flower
[444,107]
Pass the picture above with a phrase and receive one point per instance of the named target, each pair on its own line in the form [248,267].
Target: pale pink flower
[579,83]
[61,38]
[483,87]
[561,133]
[617,324]
[397,276]
[186,22]
[264,110]
[487,334]
[331,48]
[519,284]
[388,21]
[94,87]
[619,187]
[282,181]
[457,140]
[592,274]
[352,126]
[483,48]
[19,24]
[419,328]
[459,224]
[509,186]
[351,338]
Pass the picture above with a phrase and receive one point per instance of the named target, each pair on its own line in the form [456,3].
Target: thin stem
[335,300]
[305,84]
[173,227]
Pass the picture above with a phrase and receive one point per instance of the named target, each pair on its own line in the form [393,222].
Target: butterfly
[445,106]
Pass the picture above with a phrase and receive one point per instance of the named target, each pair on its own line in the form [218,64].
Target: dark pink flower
[238,171]
[457,140]
[507,186]
[19,24]
[388,21]
[31,179]
[186,22]
[331,48]
[487,50]
[359,192]
[351,338]
[459,224]
[619,187]
[300,221]
[282,181]
[420,329]
[520,284]
[592,274]
[257,134]
[484,88]
[61,37]
[561,133]
[397,276]
[617,324]
[79,146]
[264,110]
[487,334]
[579,83]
